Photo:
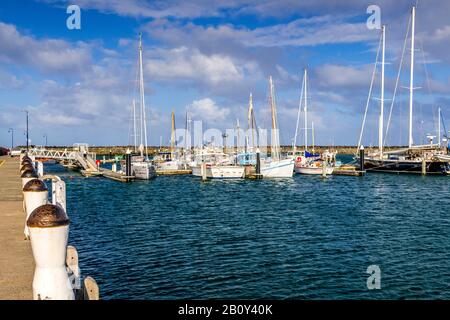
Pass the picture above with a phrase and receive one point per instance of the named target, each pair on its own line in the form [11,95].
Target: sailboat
[212,163]
[216,165]
[248,156]
[276,167]
[173,162]
[424,159]
[141,167]
[305,161]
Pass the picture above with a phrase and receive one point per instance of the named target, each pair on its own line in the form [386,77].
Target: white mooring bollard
[24,159]
[40,169]
[49,230]
[28,175]
[35,194]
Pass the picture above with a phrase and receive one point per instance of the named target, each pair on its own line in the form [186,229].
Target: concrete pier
[16,257]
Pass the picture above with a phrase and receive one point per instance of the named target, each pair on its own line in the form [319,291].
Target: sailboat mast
[172,137]
[275,141]
[142,93]
[186,134]
[294,148]
[411,85]
[306,110]
[381,122]
[313,142]
[250,119]
[439,127]
[238,128]
[134,125]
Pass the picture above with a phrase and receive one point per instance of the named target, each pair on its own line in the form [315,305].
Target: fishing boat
[141,167]
[275,166]
[422,159]
[309,162]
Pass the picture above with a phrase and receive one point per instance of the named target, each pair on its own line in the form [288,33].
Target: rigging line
[130,140]
[298,115]
[428,80]
[443,124]
[397,81]
[370,93]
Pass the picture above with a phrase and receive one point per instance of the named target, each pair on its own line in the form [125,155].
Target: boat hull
[405,166]
[278,169]
[313,170]
[220,172]
[168,165]
[143,170]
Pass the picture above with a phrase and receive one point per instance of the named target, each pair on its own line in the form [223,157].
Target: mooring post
[49,231]
[35,194]
[40,168]
[91,290]
[361,158]
[424,166]
[128,164]
[28,175]
[74,271]
[324,168]
[203,170]
[258,161]
[26,166]
[25,158]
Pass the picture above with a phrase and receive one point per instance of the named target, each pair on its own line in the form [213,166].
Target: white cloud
[9,81]
[48,55]
[190,64]
[313,31]
[207,110]
[340,76]
[156,8]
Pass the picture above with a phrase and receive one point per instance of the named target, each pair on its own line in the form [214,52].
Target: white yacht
[275,167]
[140,166]
[216,165]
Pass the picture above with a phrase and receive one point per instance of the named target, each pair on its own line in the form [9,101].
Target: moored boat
[420,159]
[276,167]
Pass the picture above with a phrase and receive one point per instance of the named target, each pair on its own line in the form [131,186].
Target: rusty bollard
[35,194]
[49,230]
[28,175]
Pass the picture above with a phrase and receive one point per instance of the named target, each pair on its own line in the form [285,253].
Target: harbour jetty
[16,257]
[110,151]
[35,259]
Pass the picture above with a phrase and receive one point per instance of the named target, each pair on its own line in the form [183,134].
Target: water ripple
[304,238]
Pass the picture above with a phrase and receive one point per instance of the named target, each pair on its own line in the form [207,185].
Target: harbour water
[302,238]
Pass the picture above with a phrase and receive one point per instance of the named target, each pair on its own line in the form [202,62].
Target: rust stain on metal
[26,159]
[27,166]
[48,216]
[29,174]
[35,185]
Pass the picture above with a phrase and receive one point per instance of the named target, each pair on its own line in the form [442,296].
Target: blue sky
[206,57]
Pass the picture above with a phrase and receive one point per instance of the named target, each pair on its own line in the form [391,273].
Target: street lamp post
[11,130]
[28,147]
